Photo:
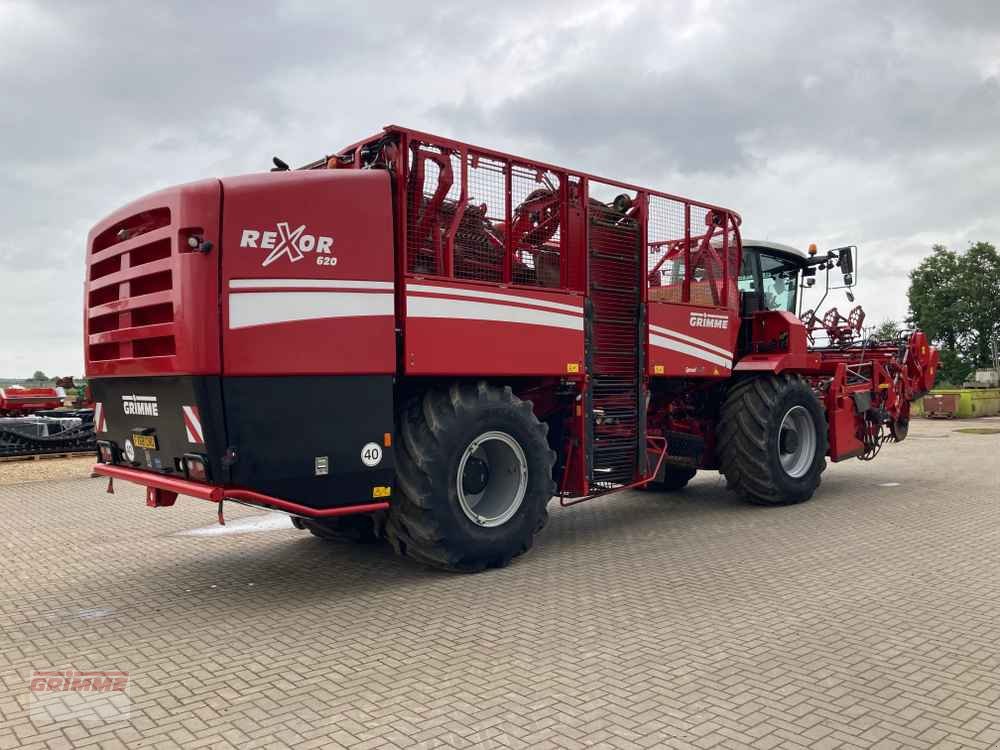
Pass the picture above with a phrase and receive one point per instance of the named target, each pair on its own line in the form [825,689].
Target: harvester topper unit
[423,340]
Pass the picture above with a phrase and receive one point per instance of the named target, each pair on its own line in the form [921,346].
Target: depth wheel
[474,476]
[772,440]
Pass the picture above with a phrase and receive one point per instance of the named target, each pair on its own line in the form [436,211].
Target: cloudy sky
[836,122]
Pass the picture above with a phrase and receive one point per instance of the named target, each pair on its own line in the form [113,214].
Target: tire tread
[411,526]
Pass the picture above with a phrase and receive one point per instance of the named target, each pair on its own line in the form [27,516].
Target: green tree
[955,299]
[888,330]
[40,376]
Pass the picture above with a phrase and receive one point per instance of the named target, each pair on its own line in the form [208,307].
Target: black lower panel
[272,435]
[279,426]
[154,406]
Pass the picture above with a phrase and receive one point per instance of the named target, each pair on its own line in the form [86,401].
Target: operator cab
[769,276]
[768,280]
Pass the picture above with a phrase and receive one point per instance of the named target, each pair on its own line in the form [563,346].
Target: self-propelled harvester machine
[423,340]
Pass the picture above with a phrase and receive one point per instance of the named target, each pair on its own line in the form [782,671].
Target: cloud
[831,122]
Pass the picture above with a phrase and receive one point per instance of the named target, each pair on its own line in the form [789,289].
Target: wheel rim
[492,479]
[796,442]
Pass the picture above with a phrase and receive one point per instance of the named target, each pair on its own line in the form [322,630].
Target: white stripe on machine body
[494,296]
[267,308]
[309,284]
[439,307]
[690,350]
[336,298]
[669,332]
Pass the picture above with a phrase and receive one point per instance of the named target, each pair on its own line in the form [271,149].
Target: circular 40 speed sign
[371,454]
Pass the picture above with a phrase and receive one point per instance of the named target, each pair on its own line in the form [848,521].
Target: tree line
[954,298]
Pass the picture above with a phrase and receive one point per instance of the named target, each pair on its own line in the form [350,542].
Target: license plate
[146,442]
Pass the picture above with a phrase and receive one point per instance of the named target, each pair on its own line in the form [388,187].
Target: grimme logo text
[140,406]
[707,320]
[292,243]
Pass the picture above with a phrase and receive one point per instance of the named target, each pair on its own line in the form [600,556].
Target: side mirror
[845,261]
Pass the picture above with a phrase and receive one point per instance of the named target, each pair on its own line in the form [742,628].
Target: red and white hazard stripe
[192,425]
[100,423]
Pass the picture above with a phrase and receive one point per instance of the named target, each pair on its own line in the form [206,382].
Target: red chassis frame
[162,492]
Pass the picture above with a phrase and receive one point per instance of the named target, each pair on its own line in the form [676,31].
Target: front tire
[773,440]
[474,476]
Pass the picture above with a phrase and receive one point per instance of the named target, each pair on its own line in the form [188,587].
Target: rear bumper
[162,490]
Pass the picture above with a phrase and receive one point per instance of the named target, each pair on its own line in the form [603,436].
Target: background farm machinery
[34,420]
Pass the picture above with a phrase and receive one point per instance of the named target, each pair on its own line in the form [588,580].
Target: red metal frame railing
[694,245]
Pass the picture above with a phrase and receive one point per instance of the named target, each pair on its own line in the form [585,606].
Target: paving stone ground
[44,470]
[866,618]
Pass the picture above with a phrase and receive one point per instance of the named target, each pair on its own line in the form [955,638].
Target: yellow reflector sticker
[657,369]
[572,367]
[381,491]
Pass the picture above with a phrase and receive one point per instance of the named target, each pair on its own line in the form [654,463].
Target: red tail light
[106,452]
[195,467]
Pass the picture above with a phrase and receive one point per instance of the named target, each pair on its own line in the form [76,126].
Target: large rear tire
[772,439]
[474,476]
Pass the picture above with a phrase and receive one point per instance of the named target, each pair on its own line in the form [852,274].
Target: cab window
[779,279]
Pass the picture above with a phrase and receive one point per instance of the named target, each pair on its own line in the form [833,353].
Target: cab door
[751,296]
